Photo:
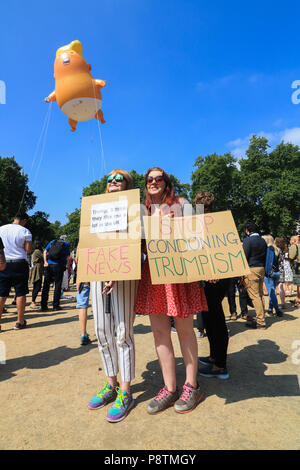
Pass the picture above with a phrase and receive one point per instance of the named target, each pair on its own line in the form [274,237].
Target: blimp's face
[69,62]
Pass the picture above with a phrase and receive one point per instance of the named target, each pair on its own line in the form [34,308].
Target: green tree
[269,186]
[14,190]
[41,228]
[219,175]
[71,228]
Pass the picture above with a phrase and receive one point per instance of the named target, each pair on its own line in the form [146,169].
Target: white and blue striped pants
[118,353]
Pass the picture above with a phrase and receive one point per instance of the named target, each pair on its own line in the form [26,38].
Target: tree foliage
[14,190]
[42,229]
[263,186]
[219,175]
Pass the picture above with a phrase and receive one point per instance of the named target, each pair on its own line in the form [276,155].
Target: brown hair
[281,243]
[126,175]
[207,199]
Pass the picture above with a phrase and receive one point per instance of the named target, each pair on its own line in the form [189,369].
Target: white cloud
[291,135]
[240,145]
[221,81]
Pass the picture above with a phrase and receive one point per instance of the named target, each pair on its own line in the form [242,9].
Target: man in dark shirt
[255,249]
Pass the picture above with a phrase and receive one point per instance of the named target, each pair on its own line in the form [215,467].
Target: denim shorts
[83,297]
[15,275]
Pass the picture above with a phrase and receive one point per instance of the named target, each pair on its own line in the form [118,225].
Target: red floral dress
[174,300]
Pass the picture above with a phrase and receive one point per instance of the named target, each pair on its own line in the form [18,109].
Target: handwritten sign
[110,252]
[109,216]
[199,247]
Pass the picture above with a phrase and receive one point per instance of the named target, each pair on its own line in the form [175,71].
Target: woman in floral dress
[180,301]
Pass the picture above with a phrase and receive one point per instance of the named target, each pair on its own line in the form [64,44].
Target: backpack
[296,261]
[270,258]
[56,250]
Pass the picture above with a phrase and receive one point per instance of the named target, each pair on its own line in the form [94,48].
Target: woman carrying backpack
[272,275]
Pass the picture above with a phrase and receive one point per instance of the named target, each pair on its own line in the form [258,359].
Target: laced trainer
[163,400]
[107,394]
[121,407]
[189,399]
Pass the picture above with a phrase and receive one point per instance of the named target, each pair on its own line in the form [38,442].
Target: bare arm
[28,247]
[2,260]
[45,258]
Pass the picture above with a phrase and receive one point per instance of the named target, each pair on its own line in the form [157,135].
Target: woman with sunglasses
[118,323]
[163,301]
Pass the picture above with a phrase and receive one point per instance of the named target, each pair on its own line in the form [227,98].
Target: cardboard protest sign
[187,249]
[110,237]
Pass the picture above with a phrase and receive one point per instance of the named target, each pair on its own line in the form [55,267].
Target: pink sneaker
[162,401]
[189,399]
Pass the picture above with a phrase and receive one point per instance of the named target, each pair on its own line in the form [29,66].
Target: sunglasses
[118,178]
[157,179]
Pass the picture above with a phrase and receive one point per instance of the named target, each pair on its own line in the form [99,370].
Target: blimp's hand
[51,97]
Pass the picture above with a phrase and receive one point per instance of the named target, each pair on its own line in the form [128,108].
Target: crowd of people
[274,266]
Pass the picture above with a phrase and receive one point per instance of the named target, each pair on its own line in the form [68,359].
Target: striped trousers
[114,331]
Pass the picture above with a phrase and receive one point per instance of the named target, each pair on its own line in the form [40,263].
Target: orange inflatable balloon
[77,93]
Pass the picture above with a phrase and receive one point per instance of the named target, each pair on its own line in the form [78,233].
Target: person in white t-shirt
[17,241]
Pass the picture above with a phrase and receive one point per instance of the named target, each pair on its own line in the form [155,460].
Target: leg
[298,296]
[36,289]
[200,323]
[99,116]
[268,286]
[21,303]
[123,301]
[82,313]
[189,347]
[215,324]
[243,297]
[161,329]
[57,273]
[254,284]
[231,295]
[46,287]
[73,124]
[105,331]
[2,303]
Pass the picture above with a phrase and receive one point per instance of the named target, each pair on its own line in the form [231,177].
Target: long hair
[168,198]
[270,242]
[126,175]
[281,243]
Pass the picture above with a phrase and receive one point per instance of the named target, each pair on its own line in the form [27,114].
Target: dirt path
[48,379]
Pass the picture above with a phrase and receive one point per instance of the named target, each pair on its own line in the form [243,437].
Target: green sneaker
[121,406]
[103,397]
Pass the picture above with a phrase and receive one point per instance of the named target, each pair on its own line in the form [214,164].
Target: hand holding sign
[109,238]
[200,247]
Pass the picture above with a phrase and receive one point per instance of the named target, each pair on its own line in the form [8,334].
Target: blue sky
[184,78]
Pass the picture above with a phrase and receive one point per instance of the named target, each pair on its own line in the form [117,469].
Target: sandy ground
[47,379]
